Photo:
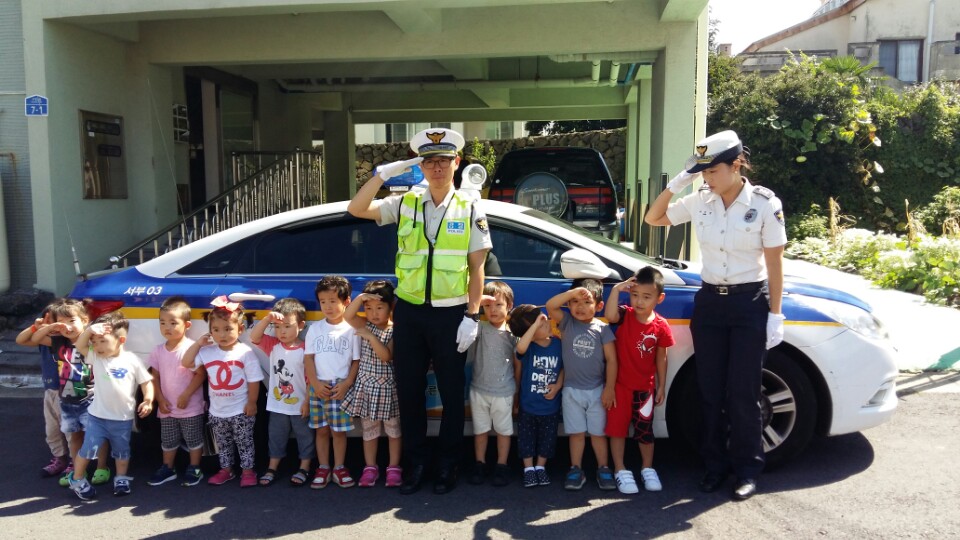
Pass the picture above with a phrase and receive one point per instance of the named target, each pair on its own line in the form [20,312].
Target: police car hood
[794,283]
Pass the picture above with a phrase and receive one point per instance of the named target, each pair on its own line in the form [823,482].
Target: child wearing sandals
[287,391]
[331,362]
[234,373]
[374,395]
[642,340]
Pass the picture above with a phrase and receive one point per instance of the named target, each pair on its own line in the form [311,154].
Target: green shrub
[811,224]
[929,266]
[943,213]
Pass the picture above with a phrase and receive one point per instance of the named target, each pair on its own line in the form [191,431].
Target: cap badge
[436,137]
[702,150]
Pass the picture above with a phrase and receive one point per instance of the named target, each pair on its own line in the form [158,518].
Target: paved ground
[898,480]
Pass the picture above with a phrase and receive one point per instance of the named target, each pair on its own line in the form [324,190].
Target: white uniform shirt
[732,239]
[433,215]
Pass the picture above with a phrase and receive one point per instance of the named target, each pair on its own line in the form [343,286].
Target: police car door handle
[246,297]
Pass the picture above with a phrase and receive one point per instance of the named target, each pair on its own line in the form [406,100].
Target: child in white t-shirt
[331,362]
[118,373]
[234,376]
[287,391]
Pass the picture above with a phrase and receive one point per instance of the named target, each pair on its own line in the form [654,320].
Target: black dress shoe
[477,474]
[411,484]
[712,482]
[446,480]
[744,489]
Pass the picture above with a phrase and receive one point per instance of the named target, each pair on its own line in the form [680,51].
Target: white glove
[774,329]
[466,334]
[681,181]
[388,171]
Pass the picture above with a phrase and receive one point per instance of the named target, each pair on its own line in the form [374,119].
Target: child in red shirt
[642,340]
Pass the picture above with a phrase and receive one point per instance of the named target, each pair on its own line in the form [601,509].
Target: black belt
[739,288]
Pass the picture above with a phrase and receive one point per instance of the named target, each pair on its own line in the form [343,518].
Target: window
[522,255]
[901,59]
[340,246]
[397,133]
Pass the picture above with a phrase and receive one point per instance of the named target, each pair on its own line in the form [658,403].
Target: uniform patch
[482,224]
[456,227]
[779,215]
[763,192]
[750,216]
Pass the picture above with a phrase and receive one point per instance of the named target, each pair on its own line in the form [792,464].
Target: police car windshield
[596,237]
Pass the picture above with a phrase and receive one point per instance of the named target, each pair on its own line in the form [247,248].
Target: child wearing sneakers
[590,363]
[51,405]
[374,396]
[331,362]
[68,318]
[170,379]
[287,390]
[234,373]
[118,374]
[539,372]
[642,340]
[493,383]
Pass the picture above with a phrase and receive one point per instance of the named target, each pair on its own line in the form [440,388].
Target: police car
[833,374]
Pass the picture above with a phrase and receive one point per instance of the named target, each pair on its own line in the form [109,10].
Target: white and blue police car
[834,373]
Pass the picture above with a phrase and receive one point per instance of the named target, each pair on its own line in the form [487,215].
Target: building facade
[147,101]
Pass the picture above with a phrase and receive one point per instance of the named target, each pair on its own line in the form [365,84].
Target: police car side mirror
[580,263]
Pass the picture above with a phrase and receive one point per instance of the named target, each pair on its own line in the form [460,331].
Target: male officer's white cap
[437,142]
[717,148]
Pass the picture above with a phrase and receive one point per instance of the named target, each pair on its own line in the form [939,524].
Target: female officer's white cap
[717,148]
[437,142]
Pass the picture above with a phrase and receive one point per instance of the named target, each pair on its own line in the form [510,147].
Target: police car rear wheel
[788,407]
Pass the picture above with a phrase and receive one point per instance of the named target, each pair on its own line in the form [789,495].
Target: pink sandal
[394,476]
[369,476]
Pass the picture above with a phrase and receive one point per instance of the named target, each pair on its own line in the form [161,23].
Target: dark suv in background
[570,183]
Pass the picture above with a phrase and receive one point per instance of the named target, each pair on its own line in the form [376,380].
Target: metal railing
[291,180]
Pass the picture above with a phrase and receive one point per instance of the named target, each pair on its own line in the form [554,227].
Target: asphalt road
[899,480]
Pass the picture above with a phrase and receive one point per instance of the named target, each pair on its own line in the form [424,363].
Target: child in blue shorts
[118,373]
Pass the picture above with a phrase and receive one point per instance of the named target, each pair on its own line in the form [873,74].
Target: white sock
[539,467]
[526,469]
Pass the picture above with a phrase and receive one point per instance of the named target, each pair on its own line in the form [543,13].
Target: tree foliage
[554,127]
[814,130]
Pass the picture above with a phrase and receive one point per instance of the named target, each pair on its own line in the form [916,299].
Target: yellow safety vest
[450,273]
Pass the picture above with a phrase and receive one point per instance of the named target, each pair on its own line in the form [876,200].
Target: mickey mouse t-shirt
[287,389]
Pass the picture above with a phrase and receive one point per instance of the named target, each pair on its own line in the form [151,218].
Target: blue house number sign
[35,106]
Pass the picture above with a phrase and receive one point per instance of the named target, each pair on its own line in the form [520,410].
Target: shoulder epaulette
[766,193]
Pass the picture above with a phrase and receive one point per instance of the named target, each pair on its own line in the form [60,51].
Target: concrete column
[339,156]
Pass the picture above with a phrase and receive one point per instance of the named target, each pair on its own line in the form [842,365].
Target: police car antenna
[73,250]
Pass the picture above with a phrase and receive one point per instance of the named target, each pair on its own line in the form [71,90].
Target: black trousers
[423,334]
[729,339]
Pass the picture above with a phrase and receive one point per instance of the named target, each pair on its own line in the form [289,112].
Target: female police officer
[736,314]
[443,240]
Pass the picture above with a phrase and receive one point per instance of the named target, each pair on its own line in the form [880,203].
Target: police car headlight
[853,317]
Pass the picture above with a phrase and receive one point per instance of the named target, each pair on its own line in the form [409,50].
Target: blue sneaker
[121,485]
[83,489]
[192,476]
[163,475]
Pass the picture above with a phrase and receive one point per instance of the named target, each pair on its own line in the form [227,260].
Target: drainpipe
[614,73]
[595,72]
[927,44]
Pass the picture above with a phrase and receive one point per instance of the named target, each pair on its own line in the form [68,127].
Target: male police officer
[442,242]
